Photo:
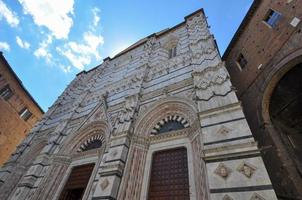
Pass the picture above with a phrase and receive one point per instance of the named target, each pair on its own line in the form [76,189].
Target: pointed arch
[78,141]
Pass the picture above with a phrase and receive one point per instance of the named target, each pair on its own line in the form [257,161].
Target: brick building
[160,120]
[18,110]
[264,60]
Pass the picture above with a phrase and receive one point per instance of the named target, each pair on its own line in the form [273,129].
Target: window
[6,93]
[171,126]
[272,18]
[25,114]
[170,123]
[241,61]
[172,52]
[95,144]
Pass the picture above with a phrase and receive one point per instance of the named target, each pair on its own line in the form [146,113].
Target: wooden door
[169,175]
[75,186]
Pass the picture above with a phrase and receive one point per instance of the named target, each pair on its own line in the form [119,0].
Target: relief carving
[227,197]
[246,169]
[212,81]
[224,130]
[104,184]
[223,171]
[204,80]
[256,196]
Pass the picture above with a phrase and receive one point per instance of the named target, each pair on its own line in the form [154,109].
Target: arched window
[171,46]
[172,52]
[93,142]
[170,123]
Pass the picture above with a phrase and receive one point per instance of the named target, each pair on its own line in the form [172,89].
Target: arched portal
[77,162]
[164,159]
[285,110]
[278,124]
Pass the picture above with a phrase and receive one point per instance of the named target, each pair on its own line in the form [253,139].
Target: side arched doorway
[285,110]
[280,124]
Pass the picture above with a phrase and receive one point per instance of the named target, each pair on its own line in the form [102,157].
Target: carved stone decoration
[246,169]
[114,153]
[197,28]
[207,78]
[97,115]
[256,196]
[211,81]
[223,171]
[104,184]
[130,106]
[131,102]
[227,197]
[224,130]
[112,118]
[99,112]
[165,92]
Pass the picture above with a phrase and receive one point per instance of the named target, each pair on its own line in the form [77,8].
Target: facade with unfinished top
[160,120]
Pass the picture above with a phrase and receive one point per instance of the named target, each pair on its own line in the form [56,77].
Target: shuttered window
[6,93]
[25,114]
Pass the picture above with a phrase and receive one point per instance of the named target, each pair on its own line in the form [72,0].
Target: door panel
[77,182]
[169,175]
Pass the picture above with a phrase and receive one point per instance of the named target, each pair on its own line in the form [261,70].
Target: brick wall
[270,52]
[13,128]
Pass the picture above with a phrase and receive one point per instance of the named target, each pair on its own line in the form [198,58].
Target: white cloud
[10,16]
[42,51]
[65,69]
[81,54]
[4,46]
[96,17]
[53,14]
[23,44]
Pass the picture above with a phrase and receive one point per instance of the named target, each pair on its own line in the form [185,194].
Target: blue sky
[47,42]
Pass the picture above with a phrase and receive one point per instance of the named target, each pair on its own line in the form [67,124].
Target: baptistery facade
[160,120]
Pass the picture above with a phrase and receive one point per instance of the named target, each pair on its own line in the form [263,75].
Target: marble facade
[123,102]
